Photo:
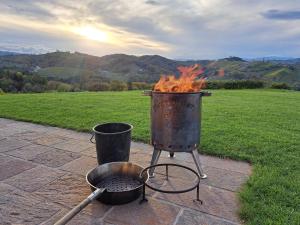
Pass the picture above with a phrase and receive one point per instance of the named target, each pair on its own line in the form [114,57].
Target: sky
[178,29]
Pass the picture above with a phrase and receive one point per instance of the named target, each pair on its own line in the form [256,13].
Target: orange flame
[187,82]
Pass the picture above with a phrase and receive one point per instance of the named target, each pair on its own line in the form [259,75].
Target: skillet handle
[80,206]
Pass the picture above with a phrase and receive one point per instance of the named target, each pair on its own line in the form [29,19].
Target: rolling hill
[70,67]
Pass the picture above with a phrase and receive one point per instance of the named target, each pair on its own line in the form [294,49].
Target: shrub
[139,86]
[235,84]
[98,86]
[280,86]
[63,87]
[118,86]
[52,85]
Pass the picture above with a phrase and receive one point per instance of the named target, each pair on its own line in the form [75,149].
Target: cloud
[173,28]
[282,15]
[152,2]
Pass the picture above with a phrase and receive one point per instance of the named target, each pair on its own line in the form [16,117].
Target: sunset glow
[92,33]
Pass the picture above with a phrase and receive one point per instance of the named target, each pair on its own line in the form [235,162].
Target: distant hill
[71,67]
[2,53]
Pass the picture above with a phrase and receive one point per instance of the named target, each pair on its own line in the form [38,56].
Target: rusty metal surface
[175,121]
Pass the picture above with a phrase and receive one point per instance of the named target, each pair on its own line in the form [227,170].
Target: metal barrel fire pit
[176,123]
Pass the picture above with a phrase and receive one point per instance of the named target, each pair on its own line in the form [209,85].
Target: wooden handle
[66,218]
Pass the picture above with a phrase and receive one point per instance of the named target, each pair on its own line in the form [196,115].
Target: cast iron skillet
[111,183]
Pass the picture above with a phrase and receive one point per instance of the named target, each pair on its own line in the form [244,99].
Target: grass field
[260,126]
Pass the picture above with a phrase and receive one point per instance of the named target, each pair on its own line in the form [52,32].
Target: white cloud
[174,28]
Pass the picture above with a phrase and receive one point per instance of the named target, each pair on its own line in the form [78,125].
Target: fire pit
[176,115]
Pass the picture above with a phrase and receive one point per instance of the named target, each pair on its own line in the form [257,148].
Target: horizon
[187,30]
[272,57]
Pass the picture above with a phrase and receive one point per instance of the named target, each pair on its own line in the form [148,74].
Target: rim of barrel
[130,127]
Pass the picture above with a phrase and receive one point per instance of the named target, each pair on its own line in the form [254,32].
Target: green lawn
[260,126]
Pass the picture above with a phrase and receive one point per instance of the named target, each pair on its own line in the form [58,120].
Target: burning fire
[187,82]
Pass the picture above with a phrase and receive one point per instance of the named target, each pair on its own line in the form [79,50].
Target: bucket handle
[91,139]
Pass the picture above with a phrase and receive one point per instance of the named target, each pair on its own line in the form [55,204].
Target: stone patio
[42,175]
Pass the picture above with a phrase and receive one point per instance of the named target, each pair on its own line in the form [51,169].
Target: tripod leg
[154,160]
[196,158]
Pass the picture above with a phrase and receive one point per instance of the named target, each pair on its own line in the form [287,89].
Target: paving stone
[193,217]
[13,167]
[79,136]
[81,165]
[227,164]
[55,157]
[79,219]
[217,202]
[74,145]
[49,140]
[225,179]
[178,172]
[13,128]
[141,159]
[28,135]
[9,144]
[69,190]
[29,152]
[33,179]
[5,189]
[146,148]
[157,182]
[18,207]
[90,152]
[147,213]
[5,158]
[4,122]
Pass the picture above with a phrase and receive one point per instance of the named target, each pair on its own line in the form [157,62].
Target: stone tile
[147,213]
[69,190]
[13,167]
[18,207]
[29,152]
[79,219]
[9,144]
[178,172]
[146,148]
[74,145]
[225,179]
[90,152]
[4,122]
[55,157]
[5,158]
[189,217]
[29,135]
[217,202]
[79,136]
[227,164]
[140,158]
[33,179]
[157,182]
[12,129]
[5,189]
[49,140]
[81,165]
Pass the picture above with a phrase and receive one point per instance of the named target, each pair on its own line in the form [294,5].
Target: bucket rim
[115,133]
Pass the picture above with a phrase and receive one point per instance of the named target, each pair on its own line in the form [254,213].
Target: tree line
[26,82]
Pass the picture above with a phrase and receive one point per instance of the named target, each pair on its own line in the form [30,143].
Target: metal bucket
[112,142]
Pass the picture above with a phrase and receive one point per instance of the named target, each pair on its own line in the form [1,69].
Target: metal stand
[195,154]
[154,160]
[196,158]
[167,165]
